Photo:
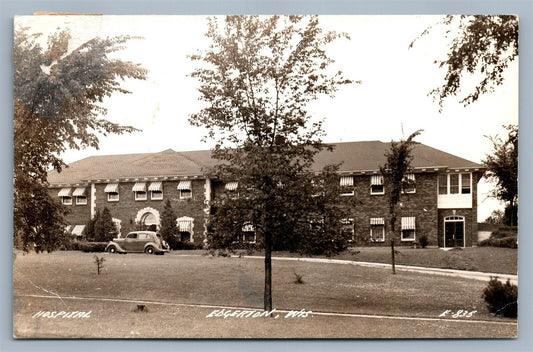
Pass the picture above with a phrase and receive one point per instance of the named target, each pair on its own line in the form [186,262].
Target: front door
[454,235]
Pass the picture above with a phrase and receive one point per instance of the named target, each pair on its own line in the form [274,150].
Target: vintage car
[138,241]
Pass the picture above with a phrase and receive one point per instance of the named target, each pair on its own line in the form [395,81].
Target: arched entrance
[148,219]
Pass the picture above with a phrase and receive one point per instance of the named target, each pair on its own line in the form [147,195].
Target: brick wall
[77,214]
[422,205]
[127,208]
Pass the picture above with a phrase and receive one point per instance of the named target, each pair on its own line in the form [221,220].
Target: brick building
[441,206]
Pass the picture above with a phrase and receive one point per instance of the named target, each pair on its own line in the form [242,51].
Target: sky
[392,100]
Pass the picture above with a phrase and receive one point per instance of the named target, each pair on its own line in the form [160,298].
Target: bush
[179,245]
[423,240]
[92,246]
[502,299]
[507,242]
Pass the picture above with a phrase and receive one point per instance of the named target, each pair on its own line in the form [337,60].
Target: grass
[485,259]
[236,282]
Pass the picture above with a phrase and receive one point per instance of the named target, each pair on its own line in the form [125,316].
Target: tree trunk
[392,254]
[268,272]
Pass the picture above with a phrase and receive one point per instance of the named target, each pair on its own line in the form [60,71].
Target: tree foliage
[394,172]
[257,77]
[104,228]
[502,169]
[58,91]
[482,48]
[169,229]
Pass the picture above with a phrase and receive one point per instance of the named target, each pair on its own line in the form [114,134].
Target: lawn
[238,282]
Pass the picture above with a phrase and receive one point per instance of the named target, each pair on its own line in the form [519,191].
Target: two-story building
[442,204]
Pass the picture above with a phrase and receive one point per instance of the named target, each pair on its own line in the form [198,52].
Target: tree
[497,217]
[104,228]
[502,168]
[482,48]
[90,228]
[58,91]
[394,173]
[257,77]
[168,225]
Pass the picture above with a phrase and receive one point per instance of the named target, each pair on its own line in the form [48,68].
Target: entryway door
[454,231]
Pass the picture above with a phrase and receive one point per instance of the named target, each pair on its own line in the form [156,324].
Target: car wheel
[112,249]
[149,250]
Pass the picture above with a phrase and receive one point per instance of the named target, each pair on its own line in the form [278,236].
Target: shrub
[423,240]
[502,299]
[92,246]
[179,245]
[298,279]
[507,242]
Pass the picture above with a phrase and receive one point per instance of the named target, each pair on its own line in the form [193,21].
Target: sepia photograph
[265,176]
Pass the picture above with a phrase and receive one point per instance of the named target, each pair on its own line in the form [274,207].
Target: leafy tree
[482,48]
[502,168]
[104,228]
[169,229]
[497,217]
[90,229]
[58,91]
[257,77]
[394,173]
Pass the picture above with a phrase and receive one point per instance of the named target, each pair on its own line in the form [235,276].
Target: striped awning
[64,192]
[377,221]
[78,192]
[231,186]
[185,225]
[111,188]
[346,181]
[408,223]
[184,184]
[77,230]
[67,228]
[248,228]
[410,177]
[376,180]
[139,187]
[156,186]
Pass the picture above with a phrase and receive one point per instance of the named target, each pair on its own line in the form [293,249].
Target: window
[140,190]
[376,184]
[81,200]
[132,235]
[377,230]
[443,184]
[455,183]
[248,233]
[112,192]
[409,184]
[185,189]
[156,190]
[65,195]
[113,197]
[348,229]
[465,183]
[408,228]
[346,183]
[140,195]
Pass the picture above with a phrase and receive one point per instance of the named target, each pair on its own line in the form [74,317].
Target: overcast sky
[393,93]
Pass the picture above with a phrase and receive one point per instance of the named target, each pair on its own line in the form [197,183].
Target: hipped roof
[354,156]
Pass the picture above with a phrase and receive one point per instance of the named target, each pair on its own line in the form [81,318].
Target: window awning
[346,181]
[64,192]
[410,177]
[67,228]
[347,221]
[78,192]
[184,185]
[231,186]
[77,230]
[248,228]
[377,221]
[139,187]
[156,186]
[376,180]
[185,225]
[111,188]
[408,223]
